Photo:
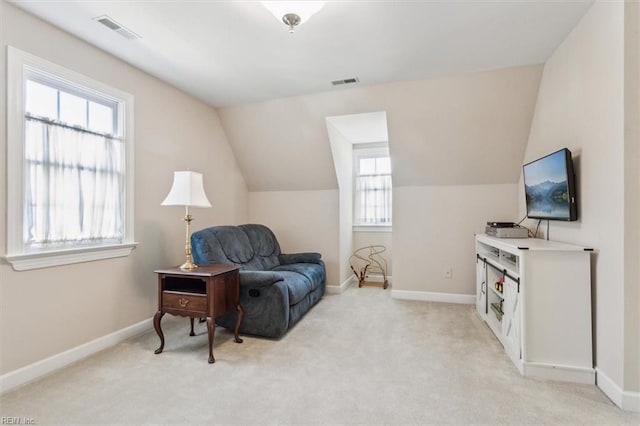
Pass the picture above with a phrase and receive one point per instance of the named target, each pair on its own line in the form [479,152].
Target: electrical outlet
[448,274]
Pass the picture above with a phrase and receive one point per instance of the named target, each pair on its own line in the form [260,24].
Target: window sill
[28,261]
[371,228]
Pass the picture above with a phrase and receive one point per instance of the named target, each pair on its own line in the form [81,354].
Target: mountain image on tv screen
[547,188]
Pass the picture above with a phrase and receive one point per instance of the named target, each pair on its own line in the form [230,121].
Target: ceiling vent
[108,22]
[345,81]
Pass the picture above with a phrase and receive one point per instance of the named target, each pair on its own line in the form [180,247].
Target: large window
[70,181]
[372,204]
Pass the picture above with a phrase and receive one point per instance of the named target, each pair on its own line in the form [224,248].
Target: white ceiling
[235,52]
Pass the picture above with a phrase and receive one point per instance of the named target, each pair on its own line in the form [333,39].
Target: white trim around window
[18,64]
[372,228]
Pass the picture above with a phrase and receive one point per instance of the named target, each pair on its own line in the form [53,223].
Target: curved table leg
[238,322]
[156,324]
[191,321]
[211,329]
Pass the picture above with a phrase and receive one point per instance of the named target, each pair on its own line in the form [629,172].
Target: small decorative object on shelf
[511,258]
[497,309]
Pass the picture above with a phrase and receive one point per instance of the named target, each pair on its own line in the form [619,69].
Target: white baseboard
[629,401]
[564,373]
[428,296]
[335,289]
[338,289]
[43,367]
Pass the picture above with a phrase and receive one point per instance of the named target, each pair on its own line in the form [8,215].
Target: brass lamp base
[188,266]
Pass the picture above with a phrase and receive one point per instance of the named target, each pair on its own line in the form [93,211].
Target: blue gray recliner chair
[275,289]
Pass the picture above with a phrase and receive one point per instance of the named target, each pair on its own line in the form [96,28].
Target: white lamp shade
[187,190]
[304,9]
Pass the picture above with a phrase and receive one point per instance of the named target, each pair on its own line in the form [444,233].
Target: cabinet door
[481,288]
[511,319]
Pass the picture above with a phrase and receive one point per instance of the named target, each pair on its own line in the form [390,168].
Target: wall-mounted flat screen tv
[550,189]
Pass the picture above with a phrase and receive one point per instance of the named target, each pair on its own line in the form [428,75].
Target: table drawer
[187,302]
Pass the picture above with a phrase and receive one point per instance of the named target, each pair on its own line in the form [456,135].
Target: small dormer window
[372,187]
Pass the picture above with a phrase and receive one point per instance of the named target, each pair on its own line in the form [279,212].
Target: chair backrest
[253,247]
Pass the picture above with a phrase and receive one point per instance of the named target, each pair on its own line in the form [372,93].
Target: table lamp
[188,191]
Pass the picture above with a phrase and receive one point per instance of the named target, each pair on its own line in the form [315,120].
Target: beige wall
[47,311]
[342,153]
[433,230]
[632,196]
[581,106]
[302,221]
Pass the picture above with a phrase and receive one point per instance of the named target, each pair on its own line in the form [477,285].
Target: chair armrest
[259,278]
[288,259]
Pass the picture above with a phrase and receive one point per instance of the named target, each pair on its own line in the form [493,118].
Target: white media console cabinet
[535,295]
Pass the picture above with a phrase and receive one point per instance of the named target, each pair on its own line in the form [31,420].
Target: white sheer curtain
[373,199]
[74,186]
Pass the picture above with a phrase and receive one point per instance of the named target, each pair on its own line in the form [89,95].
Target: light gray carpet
[356,358]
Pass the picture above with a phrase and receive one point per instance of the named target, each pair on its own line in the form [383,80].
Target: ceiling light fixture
[293,13]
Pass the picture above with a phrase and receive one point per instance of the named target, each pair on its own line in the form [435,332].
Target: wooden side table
[206,292]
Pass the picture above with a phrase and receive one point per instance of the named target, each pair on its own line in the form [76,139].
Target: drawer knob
[183,302]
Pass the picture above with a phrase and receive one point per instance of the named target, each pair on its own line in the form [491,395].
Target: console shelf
[542,317]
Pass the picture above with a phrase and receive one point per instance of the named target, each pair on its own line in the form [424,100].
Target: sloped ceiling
[461,130]
[362,128]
